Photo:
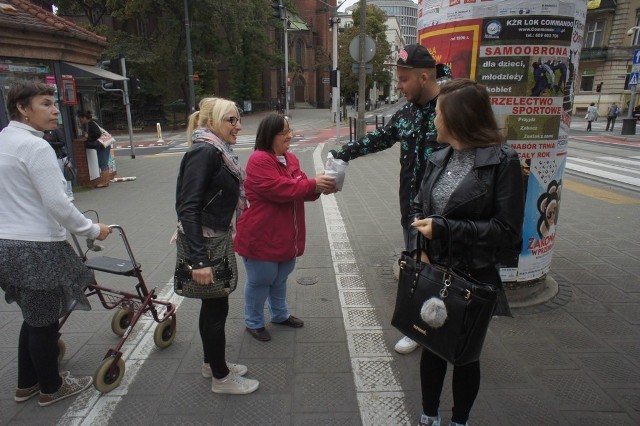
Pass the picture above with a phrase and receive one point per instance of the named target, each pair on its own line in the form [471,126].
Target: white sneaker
[406,345]
[239,369]
[234,384]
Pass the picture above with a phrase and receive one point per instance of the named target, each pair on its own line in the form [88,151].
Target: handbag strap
[469,253]
[449,263]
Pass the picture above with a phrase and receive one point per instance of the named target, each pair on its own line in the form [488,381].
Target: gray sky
[350,2]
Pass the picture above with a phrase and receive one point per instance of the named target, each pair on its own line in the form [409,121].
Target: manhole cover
[307,280]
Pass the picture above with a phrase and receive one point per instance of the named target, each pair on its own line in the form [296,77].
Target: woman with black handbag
[209,200]
[476,183]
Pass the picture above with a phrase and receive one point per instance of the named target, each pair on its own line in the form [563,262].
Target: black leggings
[466,378]
[38,357]
[213,316]
[466,384]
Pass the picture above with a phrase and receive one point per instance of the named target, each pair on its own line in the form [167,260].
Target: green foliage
[375,28]
[150,34]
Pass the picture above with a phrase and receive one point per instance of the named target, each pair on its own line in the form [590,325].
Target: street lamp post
[335,90]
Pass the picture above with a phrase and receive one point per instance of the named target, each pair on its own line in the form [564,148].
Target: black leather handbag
[443,309]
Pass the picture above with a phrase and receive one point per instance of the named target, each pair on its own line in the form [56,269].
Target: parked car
[636,112]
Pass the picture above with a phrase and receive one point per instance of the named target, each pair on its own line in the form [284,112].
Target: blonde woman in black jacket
[209,200]
[476,184]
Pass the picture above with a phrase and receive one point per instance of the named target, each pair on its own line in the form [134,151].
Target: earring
[26,118]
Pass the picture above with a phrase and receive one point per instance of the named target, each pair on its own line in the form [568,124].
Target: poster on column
[526,54]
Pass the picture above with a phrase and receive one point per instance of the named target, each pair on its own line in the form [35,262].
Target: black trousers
[465,386]
[38,357]
[213,317]
[466,378]
[611,121]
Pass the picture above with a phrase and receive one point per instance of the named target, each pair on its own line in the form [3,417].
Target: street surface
[570,360]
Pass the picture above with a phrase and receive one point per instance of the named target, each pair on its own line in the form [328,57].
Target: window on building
[300,52]
[586,82]
[594,35]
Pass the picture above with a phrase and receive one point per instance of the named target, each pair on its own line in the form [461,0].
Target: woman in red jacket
[271,231]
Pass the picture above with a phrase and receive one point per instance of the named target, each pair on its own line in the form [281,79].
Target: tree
[151,36]
[375,28]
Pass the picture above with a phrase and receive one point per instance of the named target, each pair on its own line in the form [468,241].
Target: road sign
[636,56]
[369,48]
[633,79]
[355,67]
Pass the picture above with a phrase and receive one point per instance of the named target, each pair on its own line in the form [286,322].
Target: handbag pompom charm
[434,312]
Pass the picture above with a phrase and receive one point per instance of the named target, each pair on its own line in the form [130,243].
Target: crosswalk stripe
[589,168]
[606,166]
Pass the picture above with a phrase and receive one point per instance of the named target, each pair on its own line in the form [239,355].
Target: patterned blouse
[413,126]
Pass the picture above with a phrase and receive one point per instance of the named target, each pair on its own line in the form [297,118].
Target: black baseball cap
[415,56]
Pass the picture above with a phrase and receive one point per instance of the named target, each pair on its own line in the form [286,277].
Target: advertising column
[526,53]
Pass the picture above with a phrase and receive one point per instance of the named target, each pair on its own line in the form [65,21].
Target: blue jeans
[266,281]
[103,158]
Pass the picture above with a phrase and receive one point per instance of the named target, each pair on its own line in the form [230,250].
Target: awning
[87,71]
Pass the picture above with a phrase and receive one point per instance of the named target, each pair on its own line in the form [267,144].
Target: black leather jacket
[491,195]
[206,195]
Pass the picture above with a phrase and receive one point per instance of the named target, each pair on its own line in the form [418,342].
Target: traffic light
[333,78]
[599,87]
[134,85]
[278,9]
[112,65]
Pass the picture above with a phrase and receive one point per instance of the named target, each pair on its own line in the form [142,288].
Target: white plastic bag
[336,168]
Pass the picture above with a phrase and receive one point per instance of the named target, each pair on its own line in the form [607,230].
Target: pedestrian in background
[209,200]
[591,116]
[612,114]
[92,142]
[40,270]
[56,140]
[412,125]
[271,232]
[476,183]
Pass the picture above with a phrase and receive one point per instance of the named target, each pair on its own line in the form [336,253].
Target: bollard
[351,126]
[159,130]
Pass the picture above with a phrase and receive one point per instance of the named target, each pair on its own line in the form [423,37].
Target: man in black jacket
[412,125]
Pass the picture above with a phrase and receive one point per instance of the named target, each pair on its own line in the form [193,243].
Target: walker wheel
[62,349]
[121,321]
[165,332]
[108,376]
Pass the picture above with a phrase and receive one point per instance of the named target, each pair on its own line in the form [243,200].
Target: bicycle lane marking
[379,391]
[92,408]
[606,195]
